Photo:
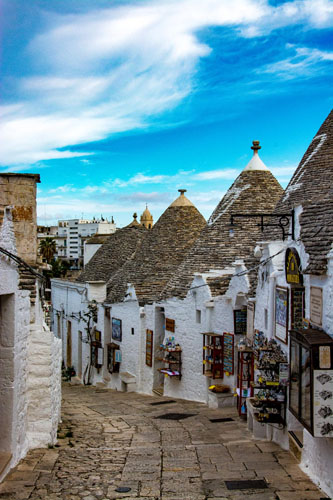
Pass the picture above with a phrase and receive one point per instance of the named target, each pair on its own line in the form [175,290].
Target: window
[198,316]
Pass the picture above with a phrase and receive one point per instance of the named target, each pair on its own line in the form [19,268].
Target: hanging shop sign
[170,325]
[228,353]
[293,267]
[316,305]
[281,314]
[149,347]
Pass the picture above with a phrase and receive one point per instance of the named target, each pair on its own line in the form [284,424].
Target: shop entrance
[158,377]
[7,335]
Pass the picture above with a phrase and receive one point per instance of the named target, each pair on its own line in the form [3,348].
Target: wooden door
[69,344]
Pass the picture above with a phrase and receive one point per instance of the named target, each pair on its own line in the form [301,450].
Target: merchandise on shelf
[172,358]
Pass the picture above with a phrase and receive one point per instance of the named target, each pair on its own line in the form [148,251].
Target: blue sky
[119,103]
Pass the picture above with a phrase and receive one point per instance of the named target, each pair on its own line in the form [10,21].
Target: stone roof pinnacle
[256,163]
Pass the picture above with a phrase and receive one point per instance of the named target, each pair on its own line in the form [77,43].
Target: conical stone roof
[255,190]
[119,247]
[312,187]
[313,177]
[161,252]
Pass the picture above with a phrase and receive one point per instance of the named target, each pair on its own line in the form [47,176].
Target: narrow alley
[115,445]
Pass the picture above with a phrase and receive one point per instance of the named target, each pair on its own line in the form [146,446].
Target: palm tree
[47,248]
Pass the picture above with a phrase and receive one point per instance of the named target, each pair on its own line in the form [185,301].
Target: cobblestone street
[110,440]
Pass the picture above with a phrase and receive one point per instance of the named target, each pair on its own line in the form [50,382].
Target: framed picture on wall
[281,314]
[116,329]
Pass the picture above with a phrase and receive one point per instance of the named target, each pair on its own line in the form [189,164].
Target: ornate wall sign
[293,267]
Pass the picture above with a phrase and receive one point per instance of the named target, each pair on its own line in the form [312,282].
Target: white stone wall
[216,316]
[20,441]
[69,301]
[129,313]
[317,453]
[29,356]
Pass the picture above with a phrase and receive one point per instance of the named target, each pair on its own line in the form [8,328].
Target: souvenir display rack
[172,358]
[270,387]
[212,364]
[311,380]
[245,376]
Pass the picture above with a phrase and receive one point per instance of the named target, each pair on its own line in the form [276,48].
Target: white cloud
[229,173]
[283,171]
[124,65]
[181,176]
[304,62]
[67,188]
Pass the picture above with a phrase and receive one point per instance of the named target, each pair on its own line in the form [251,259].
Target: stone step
[159,390]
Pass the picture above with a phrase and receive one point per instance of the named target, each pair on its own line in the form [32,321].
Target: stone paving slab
[109,439]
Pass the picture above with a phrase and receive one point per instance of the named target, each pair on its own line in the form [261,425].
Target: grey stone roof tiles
[317,234]
[311,186]
[313,176]
[161,252]
[253,191]
[119,247]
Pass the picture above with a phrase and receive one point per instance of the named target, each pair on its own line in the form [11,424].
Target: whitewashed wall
[25,365]
[129,314]
[317,453]
[69,301]
[216,316]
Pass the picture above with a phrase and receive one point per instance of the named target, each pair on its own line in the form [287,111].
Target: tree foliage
[47,248]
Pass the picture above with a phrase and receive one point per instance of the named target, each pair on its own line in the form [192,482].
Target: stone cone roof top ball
[161,252]
[255,190]
[256,163]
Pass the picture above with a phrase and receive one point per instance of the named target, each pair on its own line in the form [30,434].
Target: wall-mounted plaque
[316,305]
[149,347]
[240,321]
[170,325]
[281,314]
[228,353]
[297,307]
[116,329]
[100,356]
